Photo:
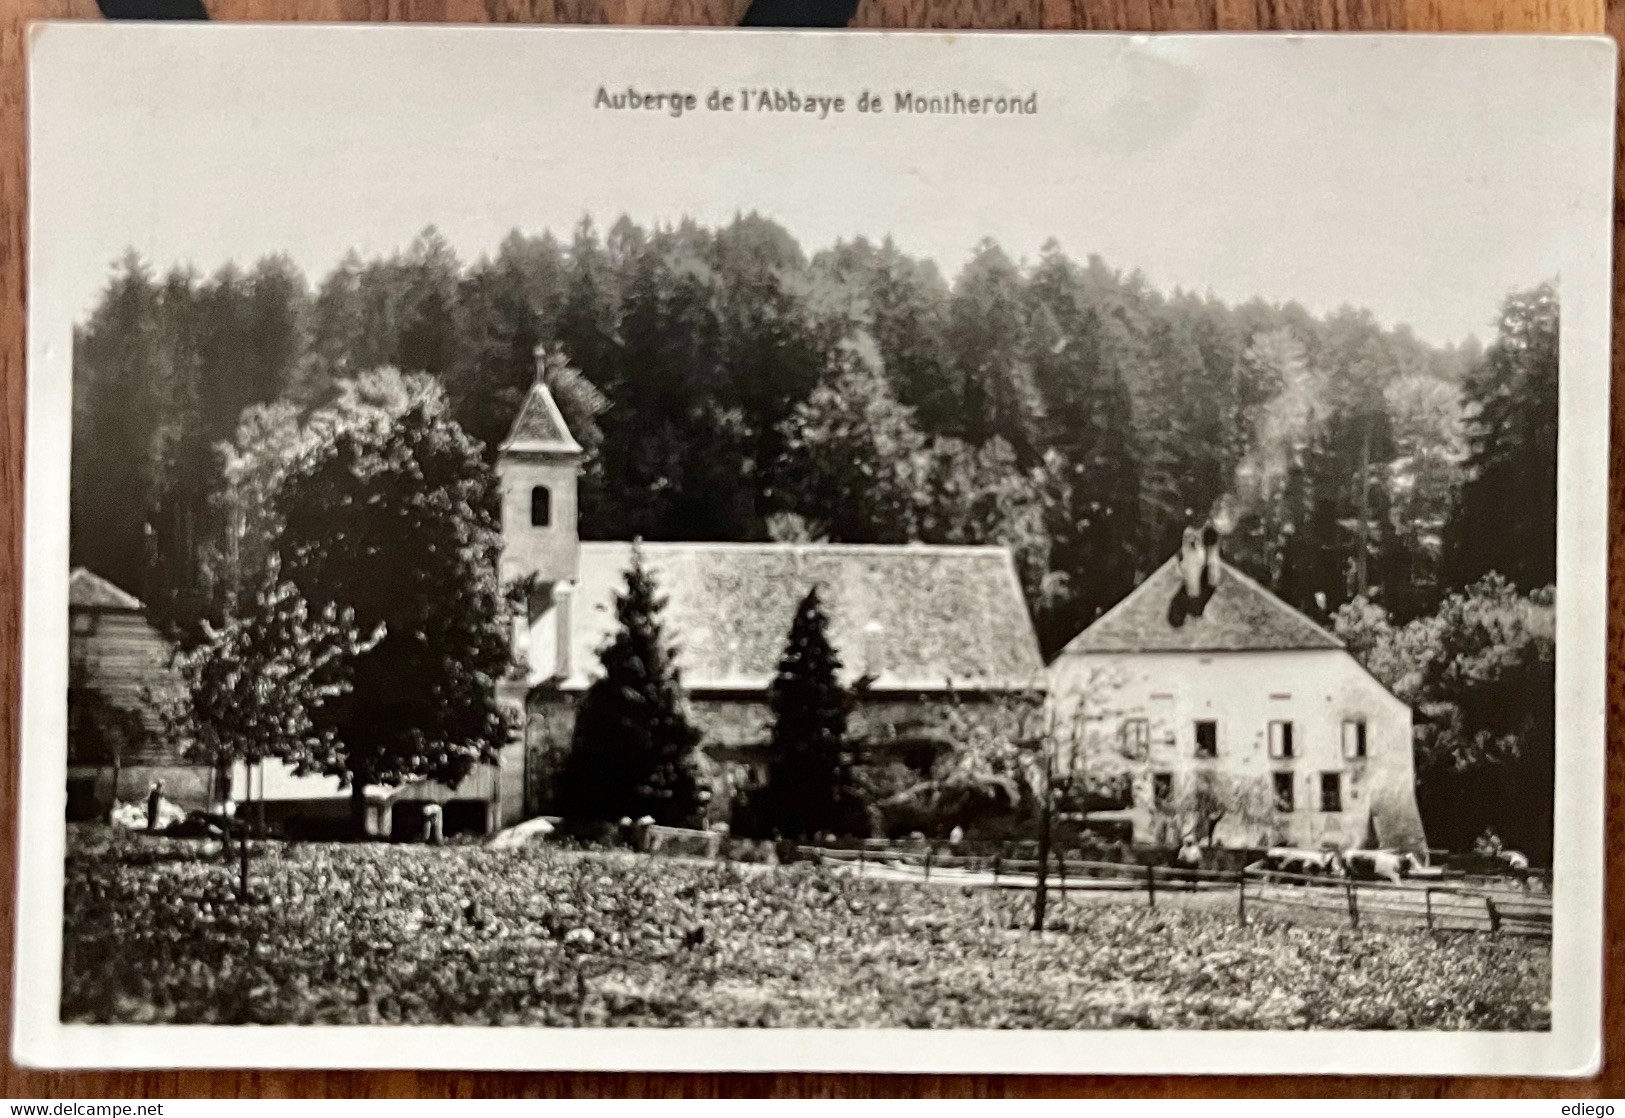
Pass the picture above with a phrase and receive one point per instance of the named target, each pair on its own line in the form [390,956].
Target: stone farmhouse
[1219,699]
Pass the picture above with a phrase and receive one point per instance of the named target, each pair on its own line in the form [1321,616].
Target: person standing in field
[155,797]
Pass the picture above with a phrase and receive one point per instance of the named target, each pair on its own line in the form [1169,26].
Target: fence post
[1150,885]
[928,848]
[1354,906]
[998,862]
[1060,862]
[862,850]
[1495,915]
[1427,897]
[1241,896]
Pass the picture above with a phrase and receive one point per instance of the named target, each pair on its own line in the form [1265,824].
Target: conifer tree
[811,787]
[634,752]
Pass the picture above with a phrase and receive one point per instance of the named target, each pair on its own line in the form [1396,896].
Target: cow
[1377,865]
[1291,860]
[1517,865]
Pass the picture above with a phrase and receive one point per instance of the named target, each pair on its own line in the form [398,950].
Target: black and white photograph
[667,549]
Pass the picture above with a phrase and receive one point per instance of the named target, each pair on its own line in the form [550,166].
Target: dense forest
[729,386]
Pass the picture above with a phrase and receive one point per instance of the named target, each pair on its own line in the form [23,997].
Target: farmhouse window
[1284,798]
[1162,788]
[1207,738]
[1354,739]
[1136,736]
[1281,739]
[541,507]
[1331,791]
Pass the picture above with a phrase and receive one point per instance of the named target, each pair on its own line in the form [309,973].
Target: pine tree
[634,752]
[811,787]
[1506,521]
[987,331]
[1089,433]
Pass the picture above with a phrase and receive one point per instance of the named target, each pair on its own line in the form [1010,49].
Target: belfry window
[541,507]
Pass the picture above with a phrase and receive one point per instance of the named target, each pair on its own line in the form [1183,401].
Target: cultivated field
[413,934]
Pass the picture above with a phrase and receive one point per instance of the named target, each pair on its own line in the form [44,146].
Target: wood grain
[1572,16]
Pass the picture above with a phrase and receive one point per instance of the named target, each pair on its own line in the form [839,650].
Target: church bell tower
[538,466]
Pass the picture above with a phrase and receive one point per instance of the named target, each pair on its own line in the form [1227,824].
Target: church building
[933,632]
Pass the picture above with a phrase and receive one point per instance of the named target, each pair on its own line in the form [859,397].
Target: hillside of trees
[730,386]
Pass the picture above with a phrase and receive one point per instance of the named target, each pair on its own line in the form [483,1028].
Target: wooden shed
[118,664]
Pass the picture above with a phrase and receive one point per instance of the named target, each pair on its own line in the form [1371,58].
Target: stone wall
[908,729]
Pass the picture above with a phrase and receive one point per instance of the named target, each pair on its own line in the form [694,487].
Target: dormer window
[541,507]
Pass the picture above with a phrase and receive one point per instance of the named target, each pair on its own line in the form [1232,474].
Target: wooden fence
[1494,905]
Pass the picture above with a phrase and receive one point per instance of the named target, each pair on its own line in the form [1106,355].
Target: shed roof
[91,591]
[1238,615]
[919,618]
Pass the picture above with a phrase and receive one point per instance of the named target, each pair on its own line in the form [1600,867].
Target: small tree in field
[254,688]
[811,783]
[634,751]
[395,523]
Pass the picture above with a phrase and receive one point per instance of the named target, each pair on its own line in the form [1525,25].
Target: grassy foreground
[372,934]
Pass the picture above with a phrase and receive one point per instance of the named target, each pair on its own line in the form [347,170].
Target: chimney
[874,656]
[1191,561]
[1210,543]
[563,592]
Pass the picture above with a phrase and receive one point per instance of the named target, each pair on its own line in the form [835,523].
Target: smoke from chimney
[1282,426]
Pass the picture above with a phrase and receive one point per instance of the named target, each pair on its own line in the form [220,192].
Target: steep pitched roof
[1239,616]
[925,618]
[539,428]
[92,591]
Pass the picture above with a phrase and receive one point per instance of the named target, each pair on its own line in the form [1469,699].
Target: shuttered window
[1281,744]
[1354,739]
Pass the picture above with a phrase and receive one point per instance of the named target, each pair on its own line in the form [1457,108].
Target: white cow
[1309,863]
[1378,865]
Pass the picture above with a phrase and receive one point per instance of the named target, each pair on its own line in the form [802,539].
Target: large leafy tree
[857,457]
[634,752]
[396,523]
[812,786]
[1480,672]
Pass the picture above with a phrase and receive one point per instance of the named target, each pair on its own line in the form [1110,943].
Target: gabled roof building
[922,627]
[1238,720]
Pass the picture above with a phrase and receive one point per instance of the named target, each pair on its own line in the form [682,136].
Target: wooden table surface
[1573,16]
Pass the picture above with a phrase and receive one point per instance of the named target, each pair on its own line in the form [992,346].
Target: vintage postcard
[564,548]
